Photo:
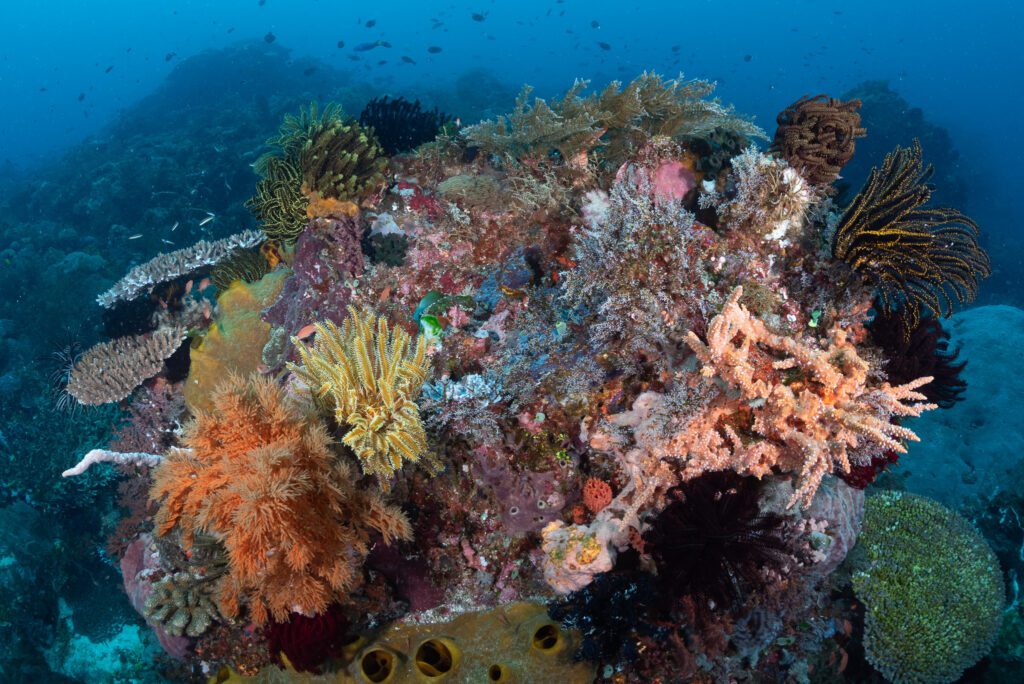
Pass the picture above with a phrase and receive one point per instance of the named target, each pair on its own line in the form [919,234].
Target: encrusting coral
[799,408]
[368,377]
[817,135]
[919,258]
[260,475]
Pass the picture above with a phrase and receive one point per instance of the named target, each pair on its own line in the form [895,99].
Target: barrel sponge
[931,586]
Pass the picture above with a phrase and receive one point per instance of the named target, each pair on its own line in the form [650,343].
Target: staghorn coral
[799,408]
[367,375]
[111,370]
[175,264]
[931,586]
[260,476]
[919,258]
[817,135]
[619,120]
[400,125]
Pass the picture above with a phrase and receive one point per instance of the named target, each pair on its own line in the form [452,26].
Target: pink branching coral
[799,408]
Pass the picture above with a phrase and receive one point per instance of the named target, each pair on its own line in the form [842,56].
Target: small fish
[135,237]
[384,43]
[341,44]
[166,241]
[218,148]
[382,62]
[188,287]
[595,24]
[364,47]
[209,217]
[477,16]
[433,49]
[371,23]
[109,69]
[169,56]
[81,96]
[513,293]
[269,38]
[676,48]
[203,284]
[309,71]
[175,226]
[604,46]
[306,331]
[408,60]
[747,58]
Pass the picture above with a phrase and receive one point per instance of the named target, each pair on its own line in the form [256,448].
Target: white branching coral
[770,198]
[174,264]
[788,405]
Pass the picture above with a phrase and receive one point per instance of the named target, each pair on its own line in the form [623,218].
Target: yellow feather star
[367,374]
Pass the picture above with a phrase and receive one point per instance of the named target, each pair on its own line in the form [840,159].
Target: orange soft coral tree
[259,474]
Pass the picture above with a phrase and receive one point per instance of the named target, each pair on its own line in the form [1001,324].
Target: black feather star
[919,352]
[713,544]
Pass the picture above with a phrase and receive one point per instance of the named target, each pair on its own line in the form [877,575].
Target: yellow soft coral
[368,375]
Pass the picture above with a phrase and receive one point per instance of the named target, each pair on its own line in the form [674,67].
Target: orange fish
[306,331]
[203,284]
[188,287]
[385,293]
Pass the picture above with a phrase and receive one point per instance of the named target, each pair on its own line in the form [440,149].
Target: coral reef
[643,389]
[368,377]
[931,586]
[818,135]
[261,476]
[919,258]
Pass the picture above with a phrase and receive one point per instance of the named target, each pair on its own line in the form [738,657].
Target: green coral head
[932,589]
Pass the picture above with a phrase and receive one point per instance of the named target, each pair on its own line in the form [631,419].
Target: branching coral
[931,586]
[260,476]
[368,377]
[174,264]
[111,370]
[799,408]
[400,125]
[619,120]
[817,135]
[919,258]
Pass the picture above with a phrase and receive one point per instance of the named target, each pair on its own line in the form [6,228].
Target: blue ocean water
[129,129]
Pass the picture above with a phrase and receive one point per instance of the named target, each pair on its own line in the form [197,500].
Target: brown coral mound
[259,475]
[817,136]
